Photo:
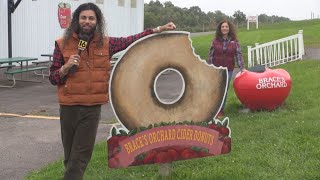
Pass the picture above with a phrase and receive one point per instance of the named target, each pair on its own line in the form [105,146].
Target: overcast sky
[293,9]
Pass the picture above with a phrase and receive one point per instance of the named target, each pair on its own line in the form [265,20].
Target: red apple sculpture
[265,90]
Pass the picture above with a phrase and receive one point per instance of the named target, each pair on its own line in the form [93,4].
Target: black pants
[79,126]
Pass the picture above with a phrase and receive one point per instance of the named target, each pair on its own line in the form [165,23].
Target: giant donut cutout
[132,92]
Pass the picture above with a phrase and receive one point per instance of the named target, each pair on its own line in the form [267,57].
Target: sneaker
[220,115]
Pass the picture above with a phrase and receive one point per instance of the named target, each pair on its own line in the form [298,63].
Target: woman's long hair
[232,31]
[75,27]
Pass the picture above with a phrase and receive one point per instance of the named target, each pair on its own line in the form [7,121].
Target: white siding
[35,24]
[3,29]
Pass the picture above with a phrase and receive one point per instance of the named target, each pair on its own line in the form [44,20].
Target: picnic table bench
[115,58]
[47,62]
[12,72]
[40,62]
[7,66]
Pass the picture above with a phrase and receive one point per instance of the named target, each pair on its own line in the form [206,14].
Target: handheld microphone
[81,46]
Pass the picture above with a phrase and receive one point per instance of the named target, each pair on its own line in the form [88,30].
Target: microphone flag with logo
[83,42]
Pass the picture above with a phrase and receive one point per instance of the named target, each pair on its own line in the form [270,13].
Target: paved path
[202,33]
[28,144]
[312,53]
[36,99]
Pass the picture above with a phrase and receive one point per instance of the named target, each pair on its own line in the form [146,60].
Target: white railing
[277,52]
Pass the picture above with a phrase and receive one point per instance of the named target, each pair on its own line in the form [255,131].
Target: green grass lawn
[282,144]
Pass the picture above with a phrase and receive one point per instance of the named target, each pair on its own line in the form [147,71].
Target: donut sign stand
[159,132]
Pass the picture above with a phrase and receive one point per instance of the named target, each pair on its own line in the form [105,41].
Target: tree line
[193,19]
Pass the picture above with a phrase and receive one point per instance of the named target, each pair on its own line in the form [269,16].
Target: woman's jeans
[225,99]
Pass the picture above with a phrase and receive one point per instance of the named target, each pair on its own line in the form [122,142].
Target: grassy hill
[266,33]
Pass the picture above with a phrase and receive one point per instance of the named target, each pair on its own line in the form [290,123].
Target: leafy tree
[220,16]
[168,4]
[239,17]
[263,18]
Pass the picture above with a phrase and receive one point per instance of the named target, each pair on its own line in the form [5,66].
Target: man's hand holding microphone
[73,63]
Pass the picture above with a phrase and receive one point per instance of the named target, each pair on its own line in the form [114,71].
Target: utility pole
[11,8]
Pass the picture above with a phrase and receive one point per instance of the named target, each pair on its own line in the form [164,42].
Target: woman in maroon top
[225,50]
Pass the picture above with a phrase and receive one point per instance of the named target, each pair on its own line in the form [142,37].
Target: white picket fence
[277,52]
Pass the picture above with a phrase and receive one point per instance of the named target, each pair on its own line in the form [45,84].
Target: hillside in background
[193,19]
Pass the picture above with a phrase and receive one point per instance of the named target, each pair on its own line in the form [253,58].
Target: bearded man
[82,82]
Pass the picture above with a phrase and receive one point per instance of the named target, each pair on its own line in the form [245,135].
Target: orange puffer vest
[89,84]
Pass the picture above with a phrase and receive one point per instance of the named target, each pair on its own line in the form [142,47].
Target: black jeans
[79,126]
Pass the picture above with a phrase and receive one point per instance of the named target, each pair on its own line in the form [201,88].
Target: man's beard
[89,33]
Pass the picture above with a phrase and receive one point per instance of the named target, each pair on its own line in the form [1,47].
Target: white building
[35,24]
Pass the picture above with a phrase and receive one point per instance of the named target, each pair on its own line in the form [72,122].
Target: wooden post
[301,44]
[257,22]
[249,57]
[257,53]
[165,170]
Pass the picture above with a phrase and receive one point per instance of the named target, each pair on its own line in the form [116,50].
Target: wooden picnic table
[20,60]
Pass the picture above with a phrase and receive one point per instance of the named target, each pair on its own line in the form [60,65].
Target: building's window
[121,3]
[133,3]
